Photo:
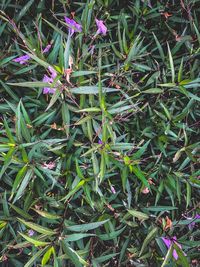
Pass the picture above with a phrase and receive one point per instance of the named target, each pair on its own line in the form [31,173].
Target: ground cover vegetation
[99,133]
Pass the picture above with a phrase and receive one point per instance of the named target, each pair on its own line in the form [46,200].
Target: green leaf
[24,10]
[75,237]
[167,257]
[21,212]
[74,190]
[88,90]
[138,214]
[148,239]
[47,256]
[8,132]
[85,227]
[66,117]
[9,91]
[31,84]
[38,228]
[140,175]
[104,258]
[171,64]
[35,242]
[19,177]
[67,52]
[133,50]
[35,257]
[83,73]
[112,235]
[182,259]
[72,254]
[153,91]
[160,208]
[7,161]
[54,98]
[23,185]
[188,197]
[47,215]
[160,49]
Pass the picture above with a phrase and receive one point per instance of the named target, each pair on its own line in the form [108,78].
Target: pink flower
[102,29]
[145,190]
[168,242]
[113,189]
[47,79]
[49,165]
[73,26]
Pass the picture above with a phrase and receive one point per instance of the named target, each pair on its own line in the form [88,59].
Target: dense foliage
[99,133]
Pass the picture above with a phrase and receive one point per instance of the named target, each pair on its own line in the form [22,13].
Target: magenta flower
[47,79]
[102,29]
[73,26]
[168,242]
[22,60]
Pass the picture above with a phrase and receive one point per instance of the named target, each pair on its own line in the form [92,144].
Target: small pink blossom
[145,190]
[113,189]
[49,165]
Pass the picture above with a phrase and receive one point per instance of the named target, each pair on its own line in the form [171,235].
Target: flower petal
[101,27]
[53,72]
[46,49]
[73,26]
[167,241]
[22,60]
[48,90]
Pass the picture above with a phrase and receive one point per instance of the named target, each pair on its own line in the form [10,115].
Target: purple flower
[102,29]
[47,79]
[73,26]
[197,217]
[192,224]
[31,232]
[168,242]
[46,49]
[53,72]
[100,142]
[22,60]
